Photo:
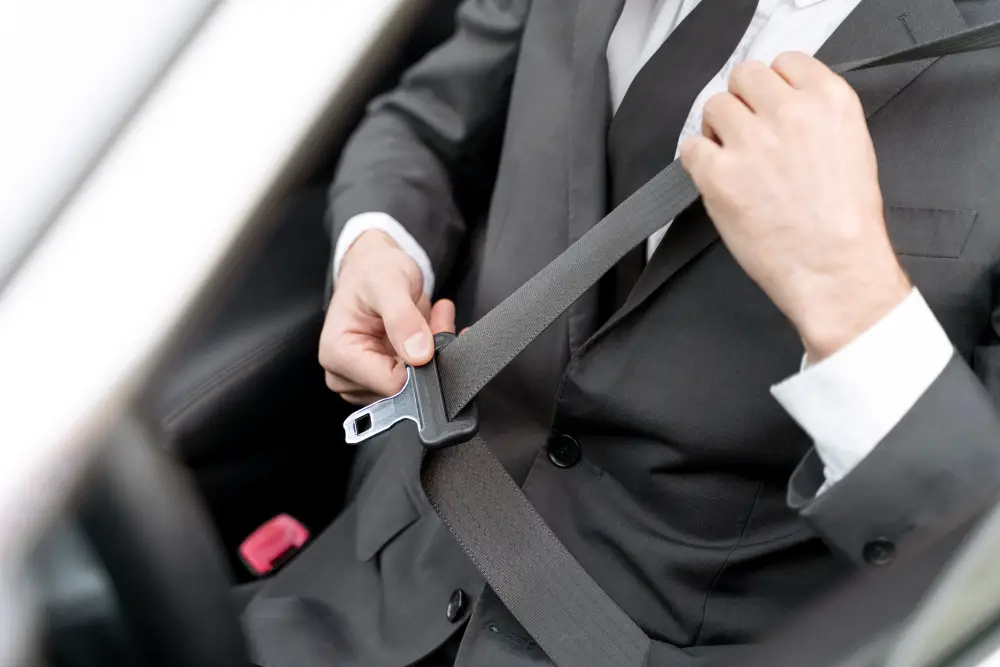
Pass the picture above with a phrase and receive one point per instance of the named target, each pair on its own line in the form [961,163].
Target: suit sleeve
[849,401]
[402,160]
[940,461]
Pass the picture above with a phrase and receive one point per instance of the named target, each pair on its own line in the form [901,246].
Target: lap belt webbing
[550,594]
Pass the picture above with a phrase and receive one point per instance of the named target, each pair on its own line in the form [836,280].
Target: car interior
[236,427]
[241,400]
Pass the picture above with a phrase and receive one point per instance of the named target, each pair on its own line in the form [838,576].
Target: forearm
[403,159]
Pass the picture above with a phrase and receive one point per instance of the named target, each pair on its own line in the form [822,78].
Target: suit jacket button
[879,551]
[564,450]
[457,604]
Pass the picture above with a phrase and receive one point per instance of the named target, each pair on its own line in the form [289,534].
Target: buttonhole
[511,638]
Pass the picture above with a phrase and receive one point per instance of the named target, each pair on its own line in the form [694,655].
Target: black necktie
[642,137]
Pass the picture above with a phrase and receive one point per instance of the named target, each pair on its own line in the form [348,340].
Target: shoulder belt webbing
[531,571]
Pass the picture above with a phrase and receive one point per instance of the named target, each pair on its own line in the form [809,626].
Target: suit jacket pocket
[385,506]
[929,232]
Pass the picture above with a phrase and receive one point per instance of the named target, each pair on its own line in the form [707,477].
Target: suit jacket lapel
[878,27]
[587,128]
[874,28]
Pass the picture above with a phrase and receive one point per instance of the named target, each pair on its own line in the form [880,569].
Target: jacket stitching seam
[725,563]
[968,234]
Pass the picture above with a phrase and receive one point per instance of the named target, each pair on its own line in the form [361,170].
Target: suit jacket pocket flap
[385,507]
[929,232]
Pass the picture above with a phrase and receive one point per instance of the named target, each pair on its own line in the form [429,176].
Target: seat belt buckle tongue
[421,400]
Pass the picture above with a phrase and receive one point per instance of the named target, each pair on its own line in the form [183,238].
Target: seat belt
[545,588]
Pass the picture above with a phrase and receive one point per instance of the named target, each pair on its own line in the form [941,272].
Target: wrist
[835,319]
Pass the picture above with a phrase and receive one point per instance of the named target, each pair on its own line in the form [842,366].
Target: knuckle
[835,89]
[795,61]
[847,99]
[687,150]
[326,347]
[338,302]
[404,271]
[694,157]
[746,72]
[715,105]
[333,358]
[785,60]
[738,77]
[690,162]
[794,113]
[704,166]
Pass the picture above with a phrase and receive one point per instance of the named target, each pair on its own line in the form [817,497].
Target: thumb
[405,326]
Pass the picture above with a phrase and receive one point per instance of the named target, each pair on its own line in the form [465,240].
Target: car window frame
[100,296]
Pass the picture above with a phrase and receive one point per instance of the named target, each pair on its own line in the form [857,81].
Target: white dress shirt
[850,401]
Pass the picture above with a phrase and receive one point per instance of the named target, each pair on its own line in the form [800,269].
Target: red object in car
[273,544]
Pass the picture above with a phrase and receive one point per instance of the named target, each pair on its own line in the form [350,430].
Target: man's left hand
[787,171]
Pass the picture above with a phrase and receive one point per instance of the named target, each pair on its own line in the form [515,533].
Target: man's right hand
[379,320]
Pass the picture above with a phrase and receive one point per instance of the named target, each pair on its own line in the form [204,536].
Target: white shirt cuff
[851,400]
[383,222]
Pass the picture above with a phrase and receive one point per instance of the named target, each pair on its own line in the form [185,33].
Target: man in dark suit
[780,387]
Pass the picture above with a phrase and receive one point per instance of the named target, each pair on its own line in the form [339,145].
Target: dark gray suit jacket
[694,502]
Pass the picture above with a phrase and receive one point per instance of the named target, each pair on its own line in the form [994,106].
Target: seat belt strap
[475,357]
[561,606]
[979,38]
[539,581]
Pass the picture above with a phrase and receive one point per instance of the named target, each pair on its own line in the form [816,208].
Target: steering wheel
[143,520]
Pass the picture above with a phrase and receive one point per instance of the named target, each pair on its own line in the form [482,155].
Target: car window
[70,72]
[965,601]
